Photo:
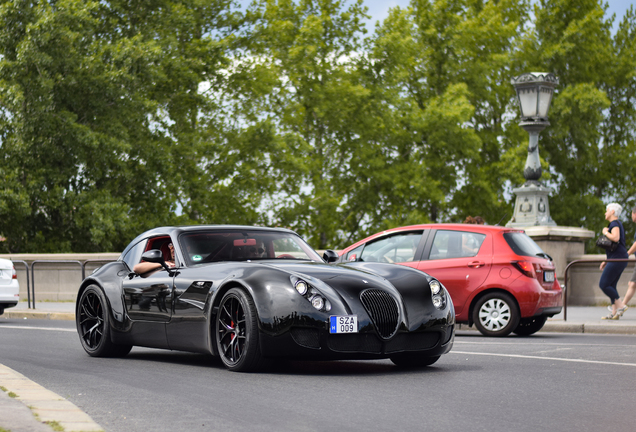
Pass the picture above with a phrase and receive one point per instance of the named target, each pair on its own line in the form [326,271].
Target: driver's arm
[144,267]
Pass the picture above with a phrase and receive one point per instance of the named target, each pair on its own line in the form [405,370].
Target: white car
[9,287]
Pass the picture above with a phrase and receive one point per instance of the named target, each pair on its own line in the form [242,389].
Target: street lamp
[534,94]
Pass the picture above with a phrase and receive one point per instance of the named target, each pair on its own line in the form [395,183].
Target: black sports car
[249,294]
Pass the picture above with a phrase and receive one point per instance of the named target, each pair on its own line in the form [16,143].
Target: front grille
[307,337]
[355,343]
[382,309]
[412,342]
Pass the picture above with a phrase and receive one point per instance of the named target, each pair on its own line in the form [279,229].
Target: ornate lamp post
[534,93]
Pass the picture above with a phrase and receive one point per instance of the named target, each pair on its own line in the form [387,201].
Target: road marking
[514,343]
[544,358]
[37,328]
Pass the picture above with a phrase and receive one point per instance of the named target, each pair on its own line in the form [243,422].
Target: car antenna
[504,216]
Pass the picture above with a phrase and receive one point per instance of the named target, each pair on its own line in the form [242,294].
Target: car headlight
[301,287]
[318,302]
[311,294]
[436,287]
[438,296]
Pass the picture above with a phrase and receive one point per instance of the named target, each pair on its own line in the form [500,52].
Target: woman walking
[612,270]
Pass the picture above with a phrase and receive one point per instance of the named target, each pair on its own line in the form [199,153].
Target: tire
[236,332]
[413,360]
[93,325]
[496,314]
[528,326]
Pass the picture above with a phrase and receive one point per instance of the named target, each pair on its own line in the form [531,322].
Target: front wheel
[413,360]
[93,325]
[528,326]
[496,314]
[236,328]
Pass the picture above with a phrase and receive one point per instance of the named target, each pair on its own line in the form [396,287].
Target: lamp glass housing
[545,98]
[528,101]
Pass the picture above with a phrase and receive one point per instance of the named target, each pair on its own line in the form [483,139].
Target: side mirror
[155,256]
[330,256]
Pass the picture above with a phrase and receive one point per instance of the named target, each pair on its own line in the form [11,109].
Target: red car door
[461,260]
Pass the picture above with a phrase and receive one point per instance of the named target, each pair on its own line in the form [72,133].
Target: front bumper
[312,343]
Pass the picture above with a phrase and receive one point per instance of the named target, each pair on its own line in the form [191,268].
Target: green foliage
[117,116]
[103,125]
[591,147]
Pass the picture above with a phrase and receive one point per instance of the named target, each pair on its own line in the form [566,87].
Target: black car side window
[394,249]
[133,256]
[456,244]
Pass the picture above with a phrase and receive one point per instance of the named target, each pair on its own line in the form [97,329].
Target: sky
[379,9]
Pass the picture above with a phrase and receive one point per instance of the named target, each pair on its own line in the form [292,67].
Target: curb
[565,327]
[47,408]
[62,316]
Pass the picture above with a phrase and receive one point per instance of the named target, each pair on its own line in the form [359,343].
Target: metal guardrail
[82,264]
[585,261]
[48,262]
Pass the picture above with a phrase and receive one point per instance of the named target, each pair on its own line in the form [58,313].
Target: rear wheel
[413,360]
[496,314]
[528,326]
[236,327]
[93,325]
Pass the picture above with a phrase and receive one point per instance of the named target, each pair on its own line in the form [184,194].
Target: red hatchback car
[498,278]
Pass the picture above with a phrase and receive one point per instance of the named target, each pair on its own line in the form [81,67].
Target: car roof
[458,226]
[438,226]
[176,230]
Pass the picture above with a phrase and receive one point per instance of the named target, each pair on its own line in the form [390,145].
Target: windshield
[242,245]
[523,245]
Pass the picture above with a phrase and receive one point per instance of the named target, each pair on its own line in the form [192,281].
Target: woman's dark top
[621,250]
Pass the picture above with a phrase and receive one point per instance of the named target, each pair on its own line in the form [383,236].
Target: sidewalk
[33,408]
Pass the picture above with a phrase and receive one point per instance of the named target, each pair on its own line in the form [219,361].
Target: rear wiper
[545,255]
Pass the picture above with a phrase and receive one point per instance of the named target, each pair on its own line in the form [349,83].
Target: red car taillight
[14,275]
[525,267]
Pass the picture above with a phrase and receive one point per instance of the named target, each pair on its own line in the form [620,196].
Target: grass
[4,389]
[12,395]
[55,425]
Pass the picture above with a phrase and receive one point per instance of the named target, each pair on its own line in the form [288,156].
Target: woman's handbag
[605,243]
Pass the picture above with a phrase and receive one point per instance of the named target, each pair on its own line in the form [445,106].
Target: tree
[446,66]
[104,128]
[315,104]
[591,146]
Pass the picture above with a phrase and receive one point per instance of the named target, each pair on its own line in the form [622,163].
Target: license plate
[548,276]
[343,324]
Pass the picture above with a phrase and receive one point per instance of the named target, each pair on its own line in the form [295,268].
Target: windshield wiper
[545,255]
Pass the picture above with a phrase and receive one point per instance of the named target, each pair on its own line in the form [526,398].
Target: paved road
[552,381]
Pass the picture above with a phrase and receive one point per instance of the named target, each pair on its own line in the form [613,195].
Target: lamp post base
[531,206]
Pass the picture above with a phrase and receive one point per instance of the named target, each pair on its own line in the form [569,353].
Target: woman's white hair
[618,209]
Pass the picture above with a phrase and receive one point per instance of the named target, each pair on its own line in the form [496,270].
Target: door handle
[476,264]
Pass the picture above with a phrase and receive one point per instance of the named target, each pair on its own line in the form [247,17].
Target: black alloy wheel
[496,314]
[237,332]
[528,326]
[93,326]
[412,360]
